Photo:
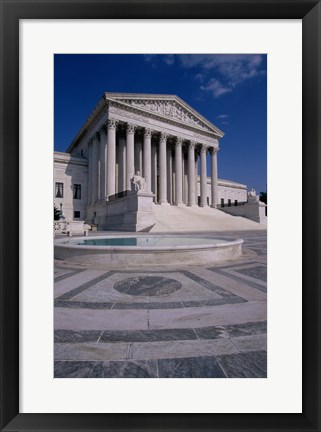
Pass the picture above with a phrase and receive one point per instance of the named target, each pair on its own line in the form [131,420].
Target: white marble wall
[69,171]
[226,190]
[231,190]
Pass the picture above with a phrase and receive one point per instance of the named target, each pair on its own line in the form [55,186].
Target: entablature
[159,124]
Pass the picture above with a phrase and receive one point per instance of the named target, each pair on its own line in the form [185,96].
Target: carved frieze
[116,108]
[168,109]
[199,137]
[126,113]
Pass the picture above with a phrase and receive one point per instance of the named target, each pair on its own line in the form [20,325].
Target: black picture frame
[11,12]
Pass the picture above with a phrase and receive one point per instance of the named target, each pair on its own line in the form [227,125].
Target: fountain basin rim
[222,244]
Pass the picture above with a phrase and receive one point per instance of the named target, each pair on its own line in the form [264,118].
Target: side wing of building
[70,185]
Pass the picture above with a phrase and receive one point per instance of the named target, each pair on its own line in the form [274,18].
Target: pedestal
[133,212]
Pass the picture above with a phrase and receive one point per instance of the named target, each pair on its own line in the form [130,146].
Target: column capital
[112,123]
[192,144]
[204,148]
[130,128]
[148,133]
[214,150]
[164,136]
[179,142]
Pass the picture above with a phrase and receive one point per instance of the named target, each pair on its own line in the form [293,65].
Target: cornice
[58,153]
[230,183]
[163,98]
[225,183]
[134,112]
[94,117]
[67,158]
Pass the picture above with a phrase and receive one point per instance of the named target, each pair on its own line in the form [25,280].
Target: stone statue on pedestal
[253,198]
[139,182]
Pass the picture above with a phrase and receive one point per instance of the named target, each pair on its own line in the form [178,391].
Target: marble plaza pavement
[164,322]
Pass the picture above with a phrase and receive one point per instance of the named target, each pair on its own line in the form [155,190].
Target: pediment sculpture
[169,109]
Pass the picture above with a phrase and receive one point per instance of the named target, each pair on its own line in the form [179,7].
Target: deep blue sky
[229,90]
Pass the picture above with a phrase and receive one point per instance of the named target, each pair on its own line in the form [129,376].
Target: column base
[213,205]
[179,204]
[191,205]
[163,203]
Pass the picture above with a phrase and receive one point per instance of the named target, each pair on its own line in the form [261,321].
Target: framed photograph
[114,114]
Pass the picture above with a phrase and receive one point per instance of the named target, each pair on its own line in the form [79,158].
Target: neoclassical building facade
[159,136]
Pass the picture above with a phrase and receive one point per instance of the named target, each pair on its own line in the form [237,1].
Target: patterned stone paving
[186,322]
[147,286]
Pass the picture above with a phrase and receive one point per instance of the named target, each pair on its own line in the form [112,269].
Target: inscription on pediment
[168,109]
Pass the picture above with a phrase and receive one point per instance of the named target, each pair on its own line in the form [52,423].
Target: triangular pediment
[168,106]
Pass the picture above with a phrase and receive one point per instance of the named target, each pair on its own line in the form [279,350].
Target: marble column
[203,180]
[169,175]
[102,163]
[154,172]
[214,177]
[90,161]
[184,172]
[138,152]
[95,170]
[173,181]
[196,177]
[147,165]
[130,154]
[178,172]
[191,174]
[111,157]
[162,169]
[121,157]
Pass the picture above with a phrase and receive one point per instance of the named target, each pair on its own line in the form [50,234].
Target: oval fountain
[147,250]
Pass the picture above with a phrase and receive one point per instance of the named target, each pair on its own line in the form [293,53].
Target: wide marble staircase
[194,219]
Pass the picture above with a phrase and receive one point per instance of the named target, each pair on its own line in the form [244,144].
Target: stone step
[158,350]
[251,364]
[171,218]
[157,319]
